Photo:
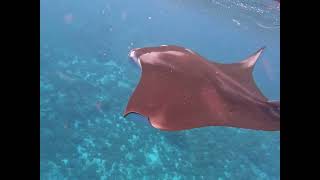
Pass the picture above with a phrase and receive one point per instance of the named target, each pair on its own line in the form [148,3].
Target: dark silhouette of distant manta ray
[181,90]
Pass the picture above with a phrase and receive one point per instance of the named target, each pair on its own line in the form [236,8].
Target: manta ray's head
[136,53]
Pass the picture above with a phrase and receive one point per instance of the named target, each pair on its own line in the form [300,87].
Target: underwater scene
[87,79]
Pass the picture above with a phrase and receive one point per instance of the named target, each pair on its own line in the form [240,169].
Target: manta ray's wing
[242,73]
[173,100]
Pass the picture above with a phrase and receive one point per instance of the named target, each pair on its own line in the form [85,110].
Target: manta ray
[179,89]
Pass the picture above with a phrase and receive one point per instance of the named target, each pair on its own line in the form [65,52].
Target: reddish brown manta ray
[181,90]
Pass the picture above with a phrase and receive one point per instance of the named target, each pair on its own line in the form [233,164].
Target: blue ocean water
[86,80]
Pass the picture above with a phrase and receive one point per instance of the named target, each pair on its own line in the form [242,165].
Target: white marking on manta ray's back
[176,53]
[155,58]
[189,50]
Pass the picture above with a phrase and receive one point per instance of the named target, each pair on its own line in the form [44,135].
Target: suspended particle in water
[236,21]
[68,18]
[123,16]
